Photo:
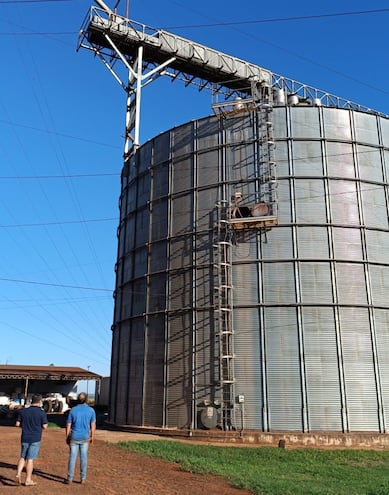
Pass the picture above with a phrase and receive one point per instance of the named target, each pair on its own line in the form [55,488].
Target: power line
[36,33]
[69,349]
[55,285]
[281,19]
[61,134]
[34,1]
[71,176]
[65,222]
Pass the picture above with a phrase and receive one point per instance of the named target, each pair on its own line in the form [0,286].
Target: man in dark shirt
[33,421]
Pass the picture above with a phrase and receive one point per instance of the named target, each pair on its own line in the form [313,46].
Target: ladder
[266,172]
[224,312]
[265,201]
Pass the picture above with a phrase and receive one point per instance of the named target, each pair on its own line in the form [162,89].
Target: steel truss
[113,37]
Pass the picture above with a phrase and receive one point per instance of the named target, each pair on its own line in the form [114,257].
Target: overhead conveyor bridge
[109,34]
[190,58]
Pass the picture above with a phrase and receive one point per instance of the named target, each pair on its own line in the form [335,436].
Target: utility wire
[35,33]
[61,134]
[65,222]
[280,19]
[55,285]
[34,1]
[70,176]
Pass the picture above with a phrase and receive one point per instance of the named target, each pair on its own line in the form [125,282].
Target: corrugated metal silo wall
[311,305]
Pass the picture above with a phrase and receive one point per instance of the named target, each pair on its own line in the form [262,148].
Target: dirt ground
[111,471]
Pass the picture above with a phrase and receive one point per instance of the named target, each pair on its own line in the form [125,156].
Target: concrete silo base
[317,440]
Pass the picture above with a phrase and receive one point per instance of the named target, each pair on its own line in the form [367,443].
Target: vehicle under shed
[20,382]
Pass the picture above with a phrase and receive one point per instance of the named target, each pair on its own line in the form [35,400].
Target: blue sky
[61,143]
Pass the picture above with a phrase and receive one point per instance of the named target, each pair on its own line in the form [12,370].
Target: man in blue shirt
[80,431]
[33,421]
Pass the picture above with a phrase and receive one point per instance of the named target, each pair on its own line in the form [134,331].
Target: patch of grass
[273,471]
[50,424]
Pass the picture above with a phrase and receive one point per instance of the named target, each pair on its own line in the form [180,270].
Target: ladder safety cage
[224,312]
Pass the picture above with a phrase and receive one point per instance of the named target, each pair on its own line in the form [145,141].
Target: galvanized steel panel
[182,212]
[131,202]
[140,261]
[366,128]
[386,164]
[374,206]
[180,289]
[161,148]
[182,140]
[238,130]
[377,245]
[337,124]
[143,189]
[281,157]
[384,124]
[358,366]
[315,283]
[284,202]
[180,253]
[307,159]
[159,226]
[248,368]
[154,371]
[157,293]
[205,210]
[382,339]
[144,158]
[279,283]
[351,284]
[178,384]
[304,122]
[138,297]
[379,284]
[280,122]
[279,245]
[142,226]
[126,299]
[321,358]
[245,280]
[310,202]
[182,171]
[208,168]
[204,287]
[207,134]
[203,252]
[370,166]
[347,244]
[312,243]
[344,202]
[206,357]
[133,394]
[340,160]
[158,256]
[160,181]
[283,369]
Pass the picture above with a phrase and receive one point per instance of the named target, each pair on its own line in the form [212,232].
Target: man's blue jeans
[78,446]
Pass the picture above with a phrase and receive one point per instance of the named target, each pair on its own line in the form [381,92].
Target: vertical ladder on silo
[266,189]
[257,208]
[266,173]
[224,311]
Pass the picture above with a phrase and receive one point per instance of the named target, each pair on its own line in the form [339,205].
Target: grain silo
[252,266]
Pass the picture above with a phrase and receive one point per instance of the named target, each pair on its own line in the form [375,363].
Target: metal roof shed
[41,379]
